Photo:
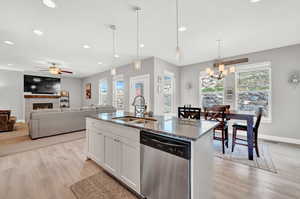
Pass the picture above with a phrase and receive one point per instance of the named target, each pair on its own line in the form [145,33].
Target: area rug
[100,186]
[240,155]
[27,145]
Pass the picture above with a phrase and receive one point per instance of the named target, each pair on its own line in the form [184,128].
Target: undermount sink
[134,119]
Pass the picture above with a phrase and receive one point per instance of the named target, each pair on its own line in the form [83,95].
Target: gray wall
[74,86]
[160,67]
[127,71]
[285,98]
[12,86]
[11,92]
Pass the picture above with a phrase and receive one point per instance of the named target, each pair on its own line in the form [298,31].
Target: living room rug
[240,155]
[27,145]
[100,186]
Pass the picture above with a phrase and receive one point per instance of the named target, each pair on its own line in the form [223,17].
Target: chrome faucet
[140,106]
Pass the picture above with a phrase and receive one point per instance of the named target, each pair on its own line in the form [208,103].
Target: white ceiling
[243,26]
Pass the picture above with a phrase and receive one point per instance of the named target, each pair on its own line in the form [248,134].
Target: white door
[140,85]
[130,164]
[111,155]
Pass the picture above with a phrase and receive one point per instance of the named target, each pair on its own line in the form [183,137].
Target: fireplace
[42,106]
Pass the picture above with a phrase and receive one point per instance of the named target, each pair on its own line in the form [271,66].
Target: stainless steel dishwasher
[165,167]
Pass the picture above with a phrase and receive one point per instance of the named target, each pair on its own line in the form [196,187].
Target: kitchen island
[181,163]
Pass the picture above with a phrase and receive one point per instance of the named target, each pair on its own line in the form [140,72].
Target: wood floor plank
[47,173]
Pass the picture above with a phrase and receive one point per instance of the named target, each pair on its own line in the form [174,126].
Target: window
[118,92]
[103,90]
[211,91]
[253,89]
[168,93]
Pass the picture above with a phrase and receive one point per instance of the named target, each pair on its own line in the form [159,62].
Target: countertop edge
[155,131]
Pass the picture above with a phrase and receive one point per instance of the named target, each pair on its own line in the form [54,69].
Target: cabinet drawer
[119,130]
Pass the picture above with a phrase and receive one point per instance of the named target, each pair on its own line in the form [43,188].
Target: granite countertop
[168,125]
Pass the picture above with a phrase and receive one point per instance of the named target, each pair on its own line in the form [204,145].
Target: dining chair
[218,113]
[240,127]
[189,112]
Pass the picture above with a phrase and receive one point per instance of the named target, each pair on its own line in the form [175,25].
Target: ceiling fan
[55,70]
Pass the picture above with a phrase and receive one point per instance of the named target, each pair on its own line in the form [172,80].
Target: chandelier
[222,71]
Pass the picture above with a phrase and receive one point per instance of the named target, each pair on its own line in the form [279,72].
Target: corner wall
[285,98]
[127,71]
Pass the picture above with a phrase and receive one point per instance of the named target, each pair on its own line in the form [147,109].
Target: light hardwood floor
[47,173]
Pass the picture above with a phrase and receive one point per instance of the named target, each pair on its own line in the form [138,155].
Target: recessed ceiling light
[49,3]
[142,45]
[9,64]
[182,29]
[254,1]
[9,43]
[117,56]
[100,63]
[86,46]
[38,32]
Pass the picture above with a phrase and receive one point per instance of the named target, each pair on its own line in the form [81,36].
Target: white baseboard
[280,139]
[23,121]
[274,138]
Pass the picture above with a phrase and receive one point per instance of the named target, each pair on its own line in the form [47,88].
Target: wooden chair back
[217,113]
[258,118]
[189,112]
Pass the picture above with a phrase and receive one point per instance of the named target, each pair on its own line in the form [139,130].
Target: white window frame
[101,81]
[254,67]
[173,99]
[203,74]
[114,80]
[147,96]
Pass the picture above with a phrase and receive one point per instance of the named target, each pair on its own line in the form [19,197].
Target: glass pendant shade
[221,67]
[137,64]
[113,71]
[178,53]
[208,70]
[232,69]
[225,72]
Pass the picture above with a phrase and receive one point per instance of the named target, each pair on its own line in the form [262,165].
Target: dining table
[249,118]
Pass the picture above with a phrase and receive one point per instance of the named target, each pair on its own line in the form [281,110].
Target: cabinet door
[111,154]
[91,143]
[99,147]
[130,164]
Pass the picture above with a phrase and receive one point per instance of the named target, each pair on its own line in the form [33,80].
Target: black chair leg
[223,141]
[256,149]
[233,139]
[226,137]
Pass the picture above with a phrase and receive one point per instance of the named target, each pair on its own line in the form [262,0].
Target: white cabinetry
[115,148]
[111,154]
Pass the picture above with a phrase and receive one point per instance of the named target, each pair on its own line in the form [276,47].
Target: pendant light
[178,50]
[115,55]
[137,62]
[222,71]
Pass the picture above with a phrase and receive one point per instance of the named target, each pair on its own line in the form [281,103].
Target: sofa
[7,122]
[49,122]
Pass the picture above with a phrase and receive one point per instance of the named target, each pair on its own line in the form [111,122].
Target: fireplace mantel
[41,96]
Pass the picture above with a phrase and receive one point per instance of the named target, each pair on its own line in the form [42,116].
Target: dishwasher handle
[166,143]
[170,145]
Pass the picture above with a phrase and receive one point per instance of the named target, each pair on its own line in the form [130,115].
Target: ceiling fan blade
[232,62]
[65,71]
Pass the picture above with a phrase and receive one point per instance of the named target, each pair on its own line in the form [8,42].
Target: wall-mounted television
[41,85]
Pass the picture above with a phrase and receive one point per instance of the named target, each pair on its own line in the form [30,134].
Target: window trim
[114,79]
[173,82]
[99,89]
[202,74]
[254,67]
